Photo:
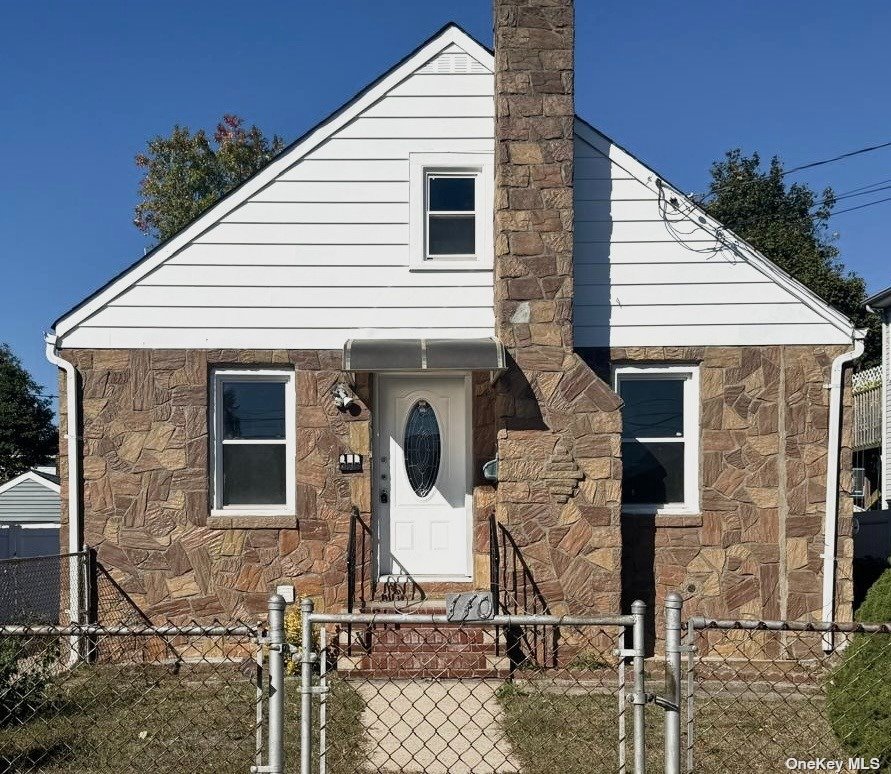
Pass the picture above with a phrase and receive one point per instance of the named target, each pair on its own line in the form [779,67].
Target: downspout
[830,526]
[74,514]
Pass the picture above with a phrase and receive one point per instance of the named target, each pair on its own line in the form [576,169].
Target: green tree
[27,434]
[186,173]
[790,225]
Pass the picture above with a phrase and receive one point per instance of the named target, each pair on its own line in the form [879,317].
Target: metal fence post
[638,610]
[276,755]
[673,606]
[306,658]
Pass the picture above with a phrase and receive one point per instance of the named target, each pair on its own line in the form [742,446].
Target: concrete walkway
[435,727]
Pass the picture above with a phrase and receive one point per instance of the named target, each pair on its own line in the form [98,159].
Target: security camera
[343,397]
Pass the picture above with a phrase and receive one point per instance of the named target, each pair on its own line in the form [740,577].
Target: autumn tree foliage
[187,172]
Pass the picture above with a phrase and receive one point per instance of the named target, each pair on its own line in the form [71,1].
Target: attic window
[451,215]
[451,211]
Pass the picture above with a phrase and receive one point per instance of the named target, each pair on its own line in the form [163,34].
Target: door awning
[424,355]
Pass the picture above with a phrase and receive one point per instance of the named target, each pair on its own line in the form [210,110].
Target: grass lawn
[149,719]
[117,718]
[741,734]
[735,734]
[554,732]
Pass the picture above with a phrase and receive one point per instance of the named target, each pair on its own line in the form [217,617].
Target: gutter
[830,526]
[74,512]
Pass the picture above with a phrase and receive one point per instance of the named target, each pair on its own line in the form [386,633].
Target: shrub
[294,635]
[859,693]
[25,679]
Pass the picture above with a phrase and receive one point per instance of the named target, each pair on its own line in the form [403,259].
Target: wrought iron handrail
[358,545]
[351,561]
[494,565]
[515,592]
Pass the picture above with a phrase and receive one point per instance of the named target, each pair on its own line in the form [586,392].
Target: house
[29,514]
[453,271]
[29,530]
[872,541]
[881,303]
[869,399]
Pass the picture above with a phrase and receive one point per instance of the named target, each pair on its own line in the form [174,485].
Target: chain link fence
[422,693]
[116,699]
[31,588]
[774,695]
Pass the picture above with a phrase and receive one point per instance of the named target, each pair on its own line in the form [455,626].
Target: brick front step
[424,651]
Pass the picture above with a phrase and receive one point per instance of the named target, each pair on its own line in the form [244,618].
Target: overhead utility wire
[837,158]
[842,197]
[861,206]
[701,198]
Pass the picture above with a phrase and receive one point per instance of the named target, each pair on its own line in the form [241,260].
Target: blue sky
[84,85]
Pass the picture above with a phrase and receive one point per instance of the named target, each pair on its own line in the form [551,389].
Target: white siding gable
[315,249]
[319,252]
[648,273]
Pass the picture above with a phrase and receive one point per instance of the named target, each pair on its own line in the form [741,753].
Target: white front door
[422,490]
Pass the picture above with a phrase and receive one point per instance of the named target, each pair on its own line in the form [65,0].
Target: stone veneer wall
[145,489]
[146,483]
[755,550]
[558,423]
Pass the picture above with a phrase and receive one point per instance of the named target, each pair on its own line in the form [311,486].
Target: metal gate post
[673,605]
[276,755]
[306,658]
[638,610]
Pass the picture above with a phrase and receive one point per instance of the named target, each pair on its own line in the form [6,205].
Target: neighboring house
[29,514]
[869,400]
[29,528]
[881,303]
[453,268]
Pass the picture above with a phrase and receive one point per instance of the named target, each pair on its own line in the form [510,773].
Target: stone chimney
[534,113]
[558,424]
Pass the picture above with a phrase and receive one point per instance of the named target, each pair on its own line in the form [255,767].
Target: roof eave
[881,300]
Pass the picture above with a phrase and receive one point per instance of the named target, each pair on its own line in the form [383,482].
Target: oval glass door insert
[422,448]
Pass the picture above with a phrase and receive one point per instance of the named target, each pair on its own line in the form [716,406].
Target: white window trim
[481,165]
[690,375]
[218,376]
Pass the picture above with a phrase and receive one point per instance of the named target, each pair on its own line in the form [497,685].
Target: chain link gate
[428,693]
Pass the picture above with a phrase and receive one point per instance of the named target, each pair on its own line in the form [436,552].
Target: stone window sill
[235,520]
[668,519]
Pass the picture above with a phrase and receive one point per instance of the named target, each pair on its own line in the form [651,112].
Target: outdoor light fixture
[343,396]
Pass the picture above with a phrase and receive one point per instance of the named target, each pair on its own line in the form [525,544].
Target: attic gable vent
[453,61]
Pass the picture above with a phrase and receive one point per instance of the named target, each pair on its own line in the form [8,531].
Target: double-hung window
[253,441]
[660,438]
[451,211]
[451,215]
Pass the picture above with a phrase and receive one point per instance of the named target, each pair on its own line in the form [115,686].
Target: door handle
[384,496]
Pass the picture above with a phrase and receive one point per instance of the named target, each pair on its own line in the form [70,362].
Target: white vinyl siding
[321,253]
[319,247]
[640,281]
